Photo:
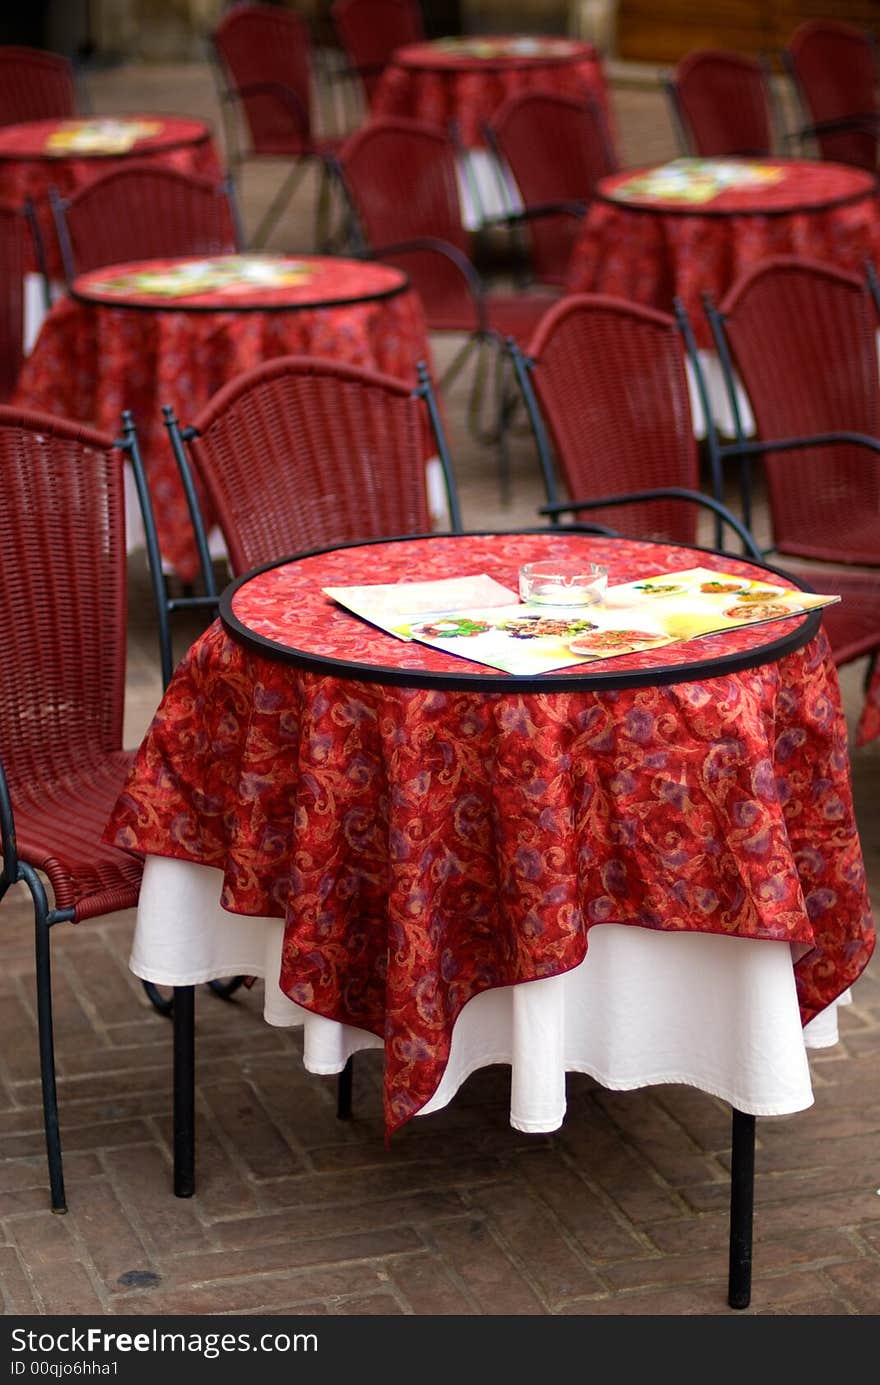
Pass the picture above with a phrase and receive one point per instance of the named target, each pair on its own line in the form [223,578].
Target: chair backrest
[400,179]
[12,261]
[35,85]
[264,53]
[721,101]
[138,213]
[62,598]
[801,335]
[370,30]
[610,381]
[834,68]
[556,148]
[302,452]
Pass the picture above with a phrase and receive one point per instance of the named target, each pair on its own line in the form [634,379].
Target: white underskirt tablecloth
[643,1008]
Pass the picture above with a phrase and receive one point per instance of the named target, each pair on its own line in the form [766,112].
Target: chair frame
[14,870]
[743,449]
[61,205]
[684,131]
[523,367]
[232,98]
[181,436]
[865,122]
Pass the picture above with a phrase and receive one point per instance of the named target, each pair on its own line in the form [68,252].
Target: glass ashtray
[562,584]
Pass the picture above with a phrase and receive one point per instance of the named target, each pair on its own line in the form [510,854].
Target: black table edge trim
[496,682]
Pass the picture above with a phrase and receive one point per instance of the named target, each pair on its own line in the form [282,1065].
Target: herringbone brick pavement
[623,1211]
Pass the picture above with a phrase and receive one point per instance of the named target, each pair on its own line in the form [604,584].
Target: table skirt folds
[643,1008]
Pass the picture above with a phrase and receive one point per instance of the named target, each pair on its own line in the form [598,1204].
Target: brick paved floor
[624,1211]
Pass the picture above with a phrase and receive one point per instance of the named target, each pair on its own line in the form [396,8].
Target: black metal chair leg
[184,1091]
[47,1060]
[742,1203]
[164,1004]
[226,989]
[344,1091]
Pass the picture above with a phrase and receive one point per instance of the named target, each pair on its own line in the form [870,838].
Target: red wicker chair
[264,63]
[144,213]
[370,30]
[301,452]
[62,687]
[399,176]
[834,70]
[35,85]
[556,150]
[801,336]
[13,234]
[721,104]
[606,393]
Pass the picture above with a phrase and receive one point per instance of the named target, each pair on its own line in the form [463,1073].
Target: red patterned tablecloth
[651,251]
[28,166]
[92,360]
[465,80]
[423,846]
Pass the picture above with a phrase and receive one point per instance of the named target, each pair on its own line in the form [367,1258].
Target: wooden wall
[663,31]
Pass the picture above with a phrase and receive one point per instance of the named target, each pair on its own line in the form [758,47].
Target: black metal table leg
[742,1203]
[183,1017]
[344,1091]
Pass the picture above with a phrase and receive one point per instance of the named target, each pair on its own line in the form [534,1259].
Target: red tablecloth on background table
[465,80]
[93,359]
[28,167]
[651,251]
[425,845]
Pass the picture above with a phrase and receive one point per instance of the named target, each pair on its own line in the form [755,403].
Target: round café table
[142,335]
[67,154]
[462,81]
[691,226]
[393,835]
[647,869]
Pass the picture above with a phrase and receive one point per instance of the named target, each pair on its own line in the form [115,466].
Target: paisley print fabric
[423,846]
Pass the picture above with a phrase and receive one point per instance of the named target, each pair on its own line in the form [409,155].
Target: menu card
[696,180]
[479,619]
[114,135]
[225,274]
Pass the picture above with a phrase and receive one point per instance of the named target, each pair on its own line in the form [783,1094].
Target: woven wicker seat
[721,104]
[801,336]
[62,687]
[141,214]
[400,179]
[556,149]
[35,85]
[302,453]
[834,70]
[605,389]
[264,66]
[369,32]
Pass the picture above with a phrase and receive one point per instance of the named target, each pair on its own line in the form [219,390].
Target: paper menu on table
[647,613]
[393,605]
[697,180]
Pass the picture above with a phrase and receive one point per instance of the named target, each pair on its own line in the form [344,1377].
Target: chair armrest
[664,493]
[286,95]
[868,122]
[534,213]
[759,446]
[449,252]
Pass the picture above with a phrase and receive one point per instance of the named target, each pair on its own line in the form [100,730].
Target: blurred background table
[639,242]
[139,336]
[68,154]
